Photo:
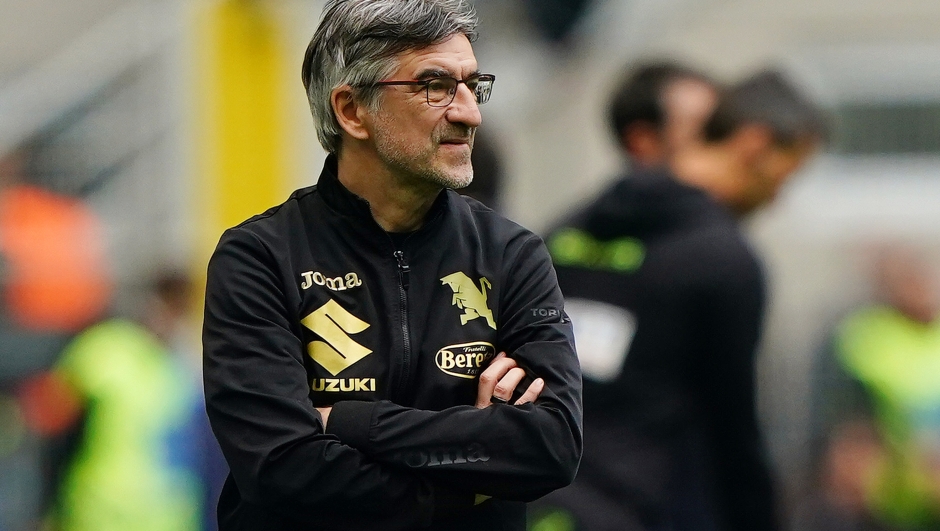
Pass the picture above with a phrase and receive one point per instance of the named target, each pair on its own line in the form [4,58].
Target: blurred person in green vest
[879,408]
[125,404]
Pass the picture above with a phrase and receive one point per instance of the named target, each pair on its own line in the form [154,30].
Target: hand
[500,379]
[325,413]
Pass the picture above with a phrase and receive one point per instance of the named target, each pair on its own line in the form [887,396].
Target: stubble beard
[456,181]
[423,168]
[424,165]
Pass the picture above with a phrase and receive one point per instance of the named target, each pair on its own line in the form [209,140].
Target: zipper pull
[403,268]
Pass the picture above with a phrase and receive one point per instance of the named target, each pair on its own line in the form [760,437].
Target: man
[351,333]
[667,297]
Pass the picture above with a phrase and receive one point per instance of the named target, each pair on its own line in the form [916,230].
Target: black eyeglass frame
[481,97]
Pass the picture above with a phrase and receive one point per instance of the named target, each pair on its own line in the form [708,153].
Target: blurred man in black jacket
[667,300]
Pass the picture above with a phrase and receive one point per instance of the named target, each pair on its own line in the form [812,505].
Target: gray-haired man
[351,333]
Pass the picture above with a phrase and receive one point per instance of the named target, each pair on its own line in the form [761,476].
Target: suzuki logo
[334,324]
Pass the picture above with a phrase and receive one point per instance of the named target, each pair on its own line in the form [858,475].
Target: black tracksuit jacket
[313,304]
[671,435]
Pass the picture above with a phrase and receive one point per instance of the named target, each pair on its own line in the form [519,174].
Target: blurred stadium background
[175,119]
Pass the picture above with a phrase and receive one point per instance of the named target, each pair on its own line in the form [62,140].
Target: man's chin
[455,178]
[461,181]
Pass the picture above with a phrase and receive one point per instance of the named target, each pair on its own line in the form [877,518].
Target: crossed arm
[497,384]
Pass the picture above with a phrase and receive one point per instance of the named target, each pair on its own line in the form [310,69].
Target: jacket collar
[340,199]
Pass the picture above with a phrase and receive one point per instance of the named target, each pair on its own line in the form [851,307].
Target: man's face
[688,103]
[416,141]
[771,170]
[908,284]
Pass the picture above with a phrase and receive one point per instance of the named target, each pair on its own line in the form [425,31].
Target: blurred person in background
[54,275]
[363,340]
[170,319]
[54,281]
[667,299]
[123,406]
[878,407]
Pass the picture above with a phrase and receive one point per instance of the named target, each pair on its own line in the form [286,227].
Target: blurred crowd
[102,417]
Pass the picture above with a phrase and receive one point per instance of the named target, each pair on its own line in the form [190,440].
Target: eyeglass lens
[441,91]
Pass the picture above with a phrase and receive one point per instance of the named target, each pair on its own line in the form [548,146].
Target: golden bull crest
[470,299]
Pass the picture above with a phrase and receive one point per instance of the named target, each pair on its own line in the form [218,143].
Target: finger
[498,368]
[490,379]
[532,392]
[325,415]
[507,384]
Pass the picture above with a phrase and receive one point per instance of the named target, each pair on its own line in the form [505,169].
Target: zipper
[403,282]
[403,271]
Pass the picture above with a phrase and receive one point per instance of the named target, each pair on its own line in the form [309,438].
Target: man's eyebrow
[432,73]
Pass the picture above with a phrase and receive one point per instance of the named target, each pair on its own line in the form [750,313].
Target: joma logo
[316,278]
[470,299]
[453,455]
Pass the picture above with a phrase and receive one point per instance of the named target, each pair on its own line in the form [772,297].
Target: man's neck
[709,168]
[397,204]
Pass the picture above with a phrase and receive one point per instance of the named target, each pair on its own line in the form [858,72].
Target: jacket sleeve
[510,452]
[730,313]
[272,436]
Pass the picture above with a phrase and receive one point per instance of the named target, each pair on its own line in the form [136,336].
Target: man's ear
[350,114]
[752,140]
[643,142]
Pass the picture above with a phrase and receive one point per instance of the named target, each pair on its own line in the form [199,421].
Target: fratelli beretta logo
[465,360]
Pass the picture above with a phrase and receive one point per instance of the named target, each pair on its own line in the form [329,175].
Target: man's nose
[464,109]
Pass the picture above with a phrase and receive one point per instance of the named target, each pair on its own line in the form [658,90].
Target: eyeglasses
[440,91]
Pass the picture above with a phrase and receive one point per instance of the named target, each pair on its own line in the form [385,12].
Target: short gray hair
[357,42]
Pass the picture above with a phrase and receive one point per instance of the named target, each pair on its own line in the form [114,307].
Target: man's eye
[440,85]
